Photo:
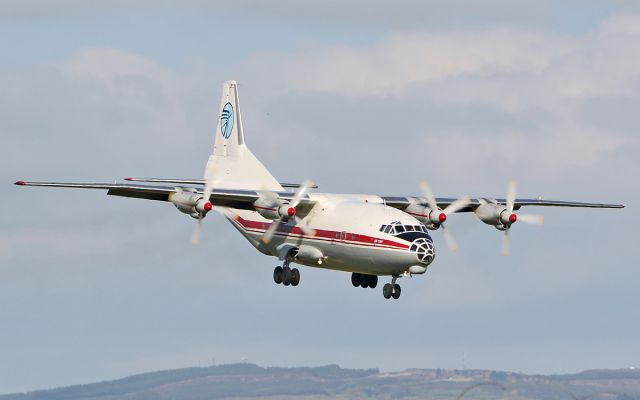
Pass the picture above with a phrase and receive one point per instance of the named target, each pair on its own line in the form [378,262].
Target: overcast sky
[360,96]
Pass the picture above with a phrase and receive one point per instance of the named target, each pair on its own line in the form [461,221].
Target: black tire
[286,276]
[373,281]
[295,277]
[277,275]
[364,281]
[355,279]
[396,292]
[386,290]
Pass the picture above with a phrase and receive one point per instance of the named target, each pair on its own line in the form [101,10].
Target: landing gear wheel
[295,277]
[277,275]
[364,281]
[386,290]
[396,291]
[373,281]
[355,279]
[286,276]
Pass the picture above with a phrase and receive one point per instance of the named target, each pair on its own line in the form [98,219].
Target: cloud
[519,73]
[401,60]
[364,15]
[112,66]
[622,24]
[110,105]
[560,66]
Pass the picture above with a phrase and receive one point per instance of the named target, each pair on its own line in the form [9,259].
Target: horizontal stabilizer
[200,182]
[177,181]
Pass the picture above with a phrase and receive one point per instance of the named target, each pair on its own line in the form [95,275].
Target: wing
[404,202]
[231,198]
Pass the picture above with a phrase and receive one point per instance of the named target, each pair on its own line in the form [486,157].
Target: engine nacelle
[273,209]
[309,254]
[432,219]
[190,203]
[496,215]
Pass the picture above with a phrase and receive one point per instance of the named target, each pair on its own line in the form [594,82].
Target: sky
[362,97]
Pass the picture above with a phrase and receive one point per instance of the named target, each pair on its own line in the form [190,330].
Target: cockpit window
[395,228]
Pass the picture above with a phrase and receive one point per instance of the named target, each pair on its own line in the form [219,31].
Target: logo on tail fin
[226,120]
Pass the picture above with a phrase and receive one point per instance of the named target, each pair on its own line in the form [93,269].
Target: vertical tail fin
[232,165]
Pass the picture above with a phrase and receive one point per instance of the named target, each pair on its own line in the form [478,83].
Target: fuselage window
[353,237]
[337,235]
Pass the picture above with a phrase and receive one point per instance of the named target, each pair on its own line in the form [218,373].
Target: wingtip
[20,183]
[128,179]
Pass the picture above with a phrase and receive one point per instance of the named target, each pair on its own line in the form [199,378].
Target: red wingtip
[21,183]
[128,179]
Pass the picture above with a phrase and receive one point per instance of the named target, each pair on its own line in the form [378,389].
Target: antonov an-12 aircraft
[366,235]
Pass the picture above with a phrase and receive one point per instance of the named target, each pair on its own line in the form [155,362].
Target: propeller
[439,216]
[505,243]
[290,212]
[511,217]
[205,207]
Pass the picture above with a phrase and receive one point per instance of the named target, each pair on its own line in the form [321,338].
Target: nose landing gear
[391,289]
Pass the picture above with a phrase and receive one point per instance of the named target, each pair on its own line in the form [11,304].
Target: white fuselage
[347,237]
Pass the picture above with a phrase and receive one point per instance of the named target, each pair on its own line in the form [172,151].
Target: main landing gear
[287,276]
[391,289]
[364,281]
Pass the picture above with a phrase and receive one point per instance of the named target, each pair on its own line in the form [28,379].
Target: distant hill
[248,381]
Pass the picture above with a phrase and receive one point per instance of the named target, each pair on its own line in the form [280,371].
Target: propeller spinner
[503,216]
[437,216]
[206,206]
[288,211]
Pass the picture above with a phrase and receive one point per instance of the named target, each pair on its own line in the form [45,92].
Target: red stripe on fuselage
[320,234]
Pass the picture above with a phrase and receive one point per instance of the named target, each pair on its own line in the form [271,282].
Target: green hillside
[248,381]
